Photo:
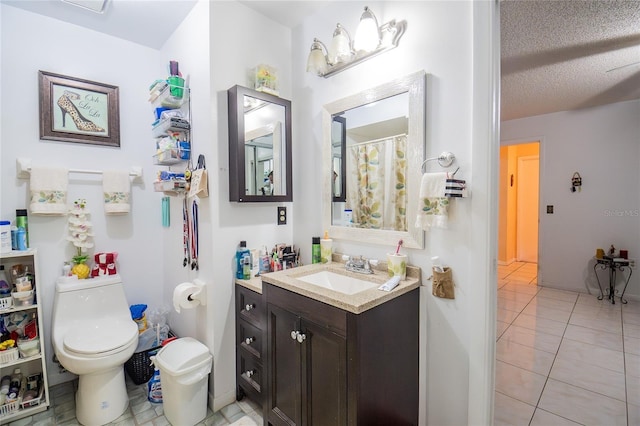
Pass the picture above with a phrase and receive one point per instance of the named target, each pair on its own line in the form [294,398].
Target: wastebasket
[184,366]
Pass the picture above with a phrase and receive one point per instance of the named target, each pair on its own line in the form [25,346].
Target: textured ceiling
[556,54]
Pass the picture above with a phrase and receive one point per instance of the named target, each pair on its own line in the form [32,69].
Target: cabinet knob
[294,334]
[250,373]
[249,340]
[249,306]
[301,337]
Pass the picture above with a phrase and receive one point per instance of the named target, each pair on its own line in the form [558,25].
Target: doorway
[519,203]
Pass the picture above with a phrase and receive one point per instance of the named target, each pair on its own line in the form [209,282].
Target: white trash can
[184,366]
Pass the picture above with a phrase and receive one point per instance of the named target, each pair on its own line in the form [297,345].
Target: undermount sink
[337,282]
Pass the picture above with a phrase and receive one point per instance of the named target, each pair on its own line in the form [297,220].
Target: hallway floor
[140,412]
[564,358]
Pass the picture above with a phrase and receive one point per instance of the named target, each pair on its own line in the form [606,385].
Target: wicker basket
[9,355]
[139,366]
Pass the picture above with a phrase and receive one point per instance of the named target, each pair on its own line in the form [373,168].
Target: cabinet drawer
[249,306]
[249,371]
[249,337]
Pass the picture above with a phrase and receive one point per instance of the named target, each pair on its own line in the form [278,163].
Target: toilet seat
[100,338]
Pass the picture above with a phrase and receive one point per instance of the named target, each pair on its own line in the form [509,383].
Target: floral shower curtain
[376,190]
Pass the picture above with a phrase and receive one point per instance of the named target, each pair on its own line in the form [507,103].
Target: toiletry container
[155,387]
[265,261]
[14,384]
[23,222]
[326,248]
[5,287]
[5,236]
[315,250]
[241,251]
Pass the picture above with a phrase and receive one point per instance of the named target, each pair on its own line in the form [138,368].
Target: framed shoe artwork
[77,110]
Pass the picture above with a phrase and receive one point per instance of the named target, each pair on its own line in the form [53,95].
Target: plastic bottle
[240,253]
[155,386]
[14,384]
[22,221]
[246,267]
[315,250]
[5,287]
[326,247]
[4,384]
[265,261]
[21,239]
[5,236]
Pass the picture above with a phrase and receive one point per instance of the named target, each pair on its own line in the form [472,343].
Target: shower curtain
[376,191]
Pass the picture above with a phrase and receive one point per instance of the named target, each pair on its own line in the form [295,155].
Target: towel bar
[23,169]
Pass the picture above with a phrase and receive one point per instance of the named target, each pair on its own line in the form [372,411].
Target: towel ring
[445,159]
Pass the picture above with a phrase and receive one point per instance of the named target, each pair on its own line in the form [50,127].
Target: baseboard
[505,262]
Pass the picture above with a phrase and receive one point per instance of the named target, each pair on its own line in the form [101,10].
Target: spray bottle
[154,385]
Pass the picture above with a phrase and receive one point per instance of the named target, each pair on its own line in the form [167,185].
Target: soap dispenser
[326,248]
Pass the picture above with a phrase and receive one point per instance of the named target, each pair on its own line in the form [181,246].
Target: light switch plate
[282,215]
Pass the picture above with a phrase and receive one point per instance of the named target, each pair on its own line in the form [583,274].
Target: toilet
[93,336]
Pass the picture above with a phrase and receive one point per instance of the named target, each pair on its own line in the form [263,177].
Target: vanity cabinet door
[308,371]
[284,370]
[324,377]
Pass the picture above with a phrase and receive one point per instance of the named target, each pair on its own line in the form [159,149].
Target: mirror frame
[343,161]
[237,183]
[415,85]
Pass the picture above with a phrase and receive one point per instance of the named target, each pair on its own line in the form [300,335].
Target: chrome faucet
[359,264]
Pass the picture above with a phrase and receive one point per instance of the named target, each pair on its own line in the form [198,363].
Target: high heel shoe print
[67,107]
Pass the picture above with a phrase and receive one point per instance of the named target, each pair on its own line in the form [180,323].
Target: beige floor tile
[500,328]
[548,302]
[519,287]
[514,295]
[633,389]
[581,405]
[589,321]
[632,330]
[590,377]
[632,365]
[634,414]
[518,383]
[632,345]
[567,296]
[542,325]
[533,339]
[511,412]
[548,313]
[545,418]
[505,315]
[594,337]
[511,305]
[524,357]
[592,354]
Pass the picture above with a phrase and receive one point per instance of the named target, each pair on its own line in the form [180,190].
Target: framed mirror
[382,150]
[259,146]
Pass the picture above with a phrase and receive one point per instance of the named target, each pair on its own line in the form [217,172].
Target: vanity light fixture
[370,40]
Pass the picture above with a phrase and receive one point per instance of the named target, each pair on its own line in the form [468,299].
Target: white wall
[260,40]
[439,40]
[31,42]
[602,144]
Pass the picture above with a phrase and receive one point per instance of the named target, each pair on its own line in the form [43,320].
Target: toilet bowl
[93,336]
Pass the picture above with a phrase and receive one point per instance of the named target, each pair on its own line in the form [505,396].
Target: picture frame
[78,110]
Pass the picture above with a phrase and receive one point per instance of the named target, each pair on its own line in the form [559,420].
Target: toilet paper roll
[185,296]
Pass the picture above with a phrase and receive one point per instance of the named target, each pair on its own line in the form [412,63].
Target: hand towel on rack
[48,187]
[432,204]
[117,191]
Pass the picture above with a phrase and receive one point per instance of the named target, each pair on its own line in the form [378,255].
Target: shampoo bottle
[241,251]
[326,247]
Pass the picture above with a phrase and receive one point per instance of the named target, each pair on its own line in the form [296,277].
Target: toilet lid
[100,336]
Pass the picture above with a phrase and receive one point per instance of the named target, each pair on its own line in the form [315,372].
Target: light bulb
[367,34]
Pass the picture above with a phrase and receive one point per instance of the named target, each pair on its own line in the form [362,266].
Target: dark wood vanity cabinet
[327,366]
[250,345]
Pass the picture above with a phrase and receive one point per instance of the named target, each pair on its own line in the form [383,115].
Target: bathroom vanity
[328,357]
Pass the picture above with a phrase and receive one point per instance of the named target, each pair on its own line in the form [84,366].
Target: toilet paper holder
[196,294]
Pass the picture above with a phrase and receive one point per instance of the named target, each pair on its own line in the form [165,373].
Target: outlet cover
[550,209]
[282,215]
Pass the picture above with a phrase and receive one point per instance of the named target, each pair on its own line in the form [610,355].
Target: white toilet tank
[94,298]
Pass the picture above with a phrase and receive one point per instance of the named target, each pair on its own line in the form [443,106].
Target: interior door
[527,208]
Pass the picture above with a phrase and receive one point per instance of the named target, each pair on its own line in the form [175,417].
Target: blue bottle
[155,387]
[241,252]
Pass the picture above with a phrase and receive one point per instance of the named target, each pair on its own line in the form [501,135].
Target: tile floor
[564,358]
[140,412]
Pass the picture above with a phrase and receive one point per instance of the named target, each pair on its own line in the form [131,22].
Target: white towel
[117,192]
[432,205]
[48,188]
